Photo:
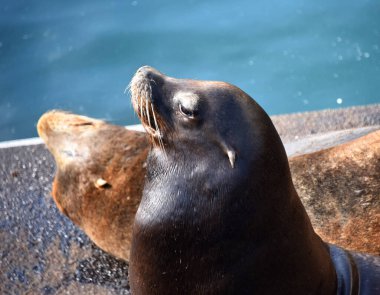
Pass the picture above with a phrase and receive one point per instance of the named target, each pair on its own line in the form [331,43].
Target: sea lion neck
[175,176]
[217,229]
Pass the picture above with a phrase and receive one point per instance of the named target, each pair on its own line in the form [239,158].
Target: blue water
[291,56]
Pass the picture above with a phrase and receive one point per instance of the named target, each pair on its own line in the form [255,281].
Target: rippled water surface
[291,56]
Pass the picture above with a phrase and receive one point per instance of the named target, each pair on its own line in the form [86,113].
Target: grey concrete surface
[319,141]
[42,252]
[295,126]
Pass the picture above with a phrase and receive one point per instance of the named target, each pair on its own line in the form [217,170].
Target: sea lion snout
[150,73]
[145,89]
[146,82]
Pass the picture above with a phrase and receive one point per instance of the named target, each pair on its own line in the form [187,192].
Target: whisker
[158,131]
[162,145]
[141,106]
[154,118]
[147,111]
[141,93]
[128,88]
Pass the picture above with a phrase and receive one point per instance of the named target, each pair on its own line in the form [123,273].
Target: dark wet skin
[205,227]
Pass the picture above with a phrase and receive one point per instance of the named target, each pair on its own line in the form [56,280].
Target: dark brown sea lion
[99,178]
[219,212]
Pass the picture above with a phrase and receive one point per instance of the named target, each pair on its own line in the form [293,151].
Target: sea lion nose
[150,73]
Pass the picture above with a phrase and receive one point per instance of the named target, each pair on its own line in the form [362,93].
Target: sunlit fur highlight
[141,93]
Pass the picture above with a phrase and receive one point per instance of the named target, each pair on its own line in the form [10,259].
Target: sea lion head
[99,175]
[186,119]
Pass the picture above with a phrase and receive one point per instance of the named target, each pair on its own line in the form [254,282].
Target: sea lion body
[219,213]
[340,190]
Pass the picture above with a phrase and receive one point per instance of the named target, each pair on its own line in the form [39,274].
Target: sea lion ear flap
[232,157]
[230,152]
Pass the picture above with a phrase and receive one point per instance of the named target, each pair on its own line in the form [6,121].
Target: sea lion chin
[219,212]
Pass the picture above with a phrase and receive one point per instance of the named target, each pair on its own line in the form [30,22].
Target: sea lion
[219,212]
[99,178]
[355,227]
[340,190]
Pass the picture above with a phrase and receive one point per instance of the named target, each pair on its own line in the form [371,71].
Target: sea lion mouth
[142,102]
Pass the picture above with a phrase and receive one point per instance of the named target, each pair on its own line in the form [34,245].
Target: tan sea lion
[219,212]
[340,189]
[99,177]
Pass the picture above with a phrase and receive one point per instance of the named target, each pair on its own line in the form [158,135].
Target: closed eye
[187,112]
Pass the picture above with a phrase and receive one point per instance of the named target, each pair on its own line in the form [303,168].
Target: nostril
[147,79]
[150,73]
[145,70]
